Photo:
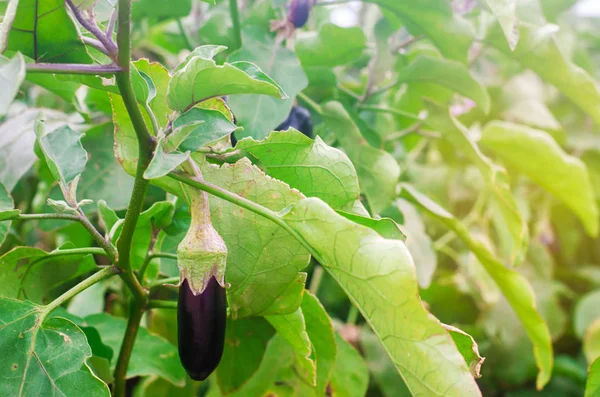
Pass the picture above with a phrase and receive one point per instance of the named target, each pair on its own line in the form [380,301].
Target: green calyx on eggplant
[202,305]
[202,254]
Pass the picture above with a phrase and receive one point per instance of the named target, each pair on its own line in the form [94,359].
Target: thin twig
[312,104]
[95,30]
[111,24]
[95,43]
[162,281]
[184,35]
[73,68]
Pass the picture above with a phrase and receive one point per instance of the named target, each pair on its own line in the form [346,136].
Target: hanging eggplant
[202,308]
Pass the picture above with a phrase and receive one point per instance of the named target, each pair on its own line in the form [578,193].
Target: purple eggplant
[299,12]
[201,321]
[299,118]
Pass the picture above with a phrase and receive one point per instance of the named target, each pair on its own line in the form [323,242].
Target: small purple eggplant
[299,12]
[201,321]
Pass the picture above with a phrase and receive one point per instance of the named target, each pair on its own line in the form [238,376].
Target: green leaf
[64,153]
[505,13]
[378,276]
[200,78]
[44,32]
[12,73]
[378,171]
[292,328]
[259,115]
[447,73]
[40,356]
[592,387]
[513,285]
[32,273]
[210,126]
[321,334]
[152,354]
[312,167]
[330,46]
[245,344]
[436,20]
[350,375]
[7,210]
[162,162]
[539,51]
[161,78]
[496,179]
[536,154]
[468,348]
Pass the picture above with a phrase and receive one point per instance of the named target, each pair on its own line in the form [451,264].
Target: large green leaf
[539,51]
[495,177]
[536,154]
[32,273]
[311,166]
[263,260]
[350,376]
[505,12]
[164,162]
[245,343]
[200,78]
[378,171]
[64,153]
[43,31]
[7,210]
[448,73]
[43,357]
[379,277]
[259,115]
[435,19]
[513,285]
[12,73]
[331,46]
[152,354]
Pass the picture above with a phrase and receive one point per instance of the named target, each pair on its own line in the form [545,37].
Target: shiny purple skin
[201,324]
[299,12]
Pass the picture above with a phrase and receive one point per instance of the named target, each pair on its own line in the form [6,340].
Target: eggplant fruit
[299,12]
[201,321]
[299,118]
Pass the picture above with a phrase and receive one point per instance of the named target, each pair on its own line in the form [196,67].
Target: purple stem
[73,68]
[93,29]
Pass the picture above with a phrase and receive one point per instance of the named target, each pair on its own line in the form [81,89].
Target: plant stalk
[133,324]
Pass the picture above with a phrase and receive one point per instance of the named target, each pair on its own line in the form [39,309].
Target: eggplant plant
[299,198]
